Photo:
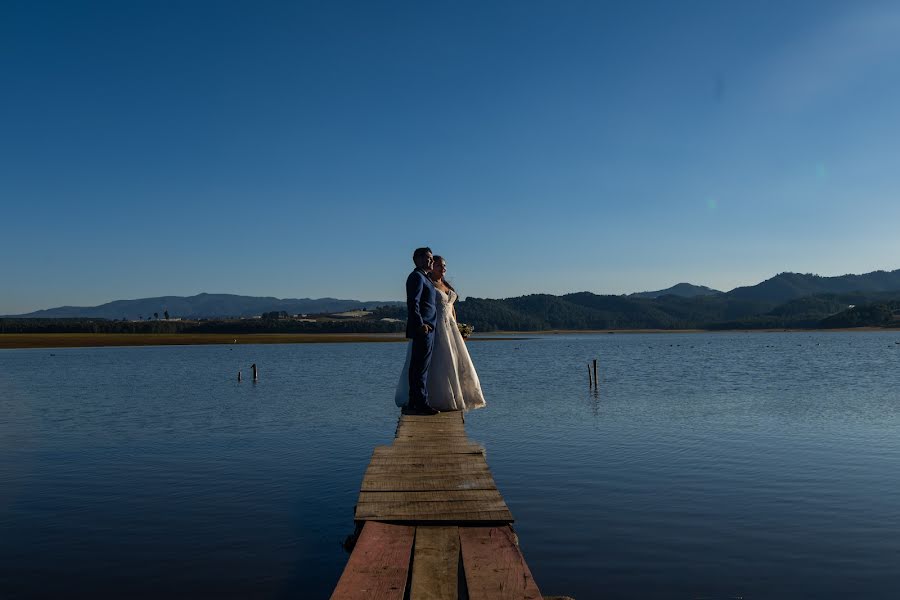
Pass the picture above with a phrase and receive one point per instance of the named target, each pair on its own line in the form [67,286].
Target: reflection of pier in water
[431,522]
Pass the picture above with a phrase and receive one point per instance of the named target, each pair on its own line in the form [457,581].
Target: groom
[420,321]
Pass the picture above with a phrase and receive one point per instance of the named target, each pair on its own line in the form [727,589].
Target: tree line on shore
[539,312]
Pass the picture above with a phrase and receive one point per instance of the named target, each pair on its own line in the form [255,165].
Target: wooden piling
[596,384]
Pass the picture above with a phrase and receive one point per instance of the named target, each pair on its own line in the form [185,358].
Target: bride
[452,382]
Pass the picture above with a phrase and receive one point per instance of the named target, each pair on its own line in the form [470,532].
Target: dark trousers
[422,345]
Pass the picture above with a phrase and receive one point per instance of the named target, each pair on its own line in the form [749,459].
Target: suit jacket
[421,303]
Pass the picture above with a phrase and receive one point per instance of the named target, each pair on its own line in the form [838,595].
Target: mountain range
[204,306]
[786,300]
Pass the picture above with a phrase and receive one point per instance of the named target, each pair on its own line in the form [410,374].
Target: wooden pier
[434,525]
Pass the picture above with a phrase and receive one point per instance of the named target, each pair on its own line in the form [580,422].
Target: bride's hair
[447,283]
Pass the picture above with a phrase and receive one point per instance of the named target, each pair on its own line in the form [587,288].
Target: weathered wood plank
[412,432]
[439,496]
[413,508]
[495,568]
[474,460]
[429,506]
[426,451]
[395,474]
[445,417]
[426,484]
[435,564]
[432,426]
[434,440]
[400,447]
[428,438]
[430,469]
[427,461]
[427,481]
[449,425]
[436,446]
[415,465]
[494,516]
[379,564]
[431,423]
[400,476]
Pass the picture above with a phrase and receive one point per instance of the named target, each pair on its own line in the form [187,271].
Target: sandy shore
[87,340]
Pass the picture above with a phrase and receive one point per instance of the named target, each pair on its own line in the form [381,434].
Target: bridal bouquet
[465,329]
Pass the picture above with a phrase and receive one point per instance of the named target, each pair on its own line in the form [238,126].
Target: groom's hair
[420,253]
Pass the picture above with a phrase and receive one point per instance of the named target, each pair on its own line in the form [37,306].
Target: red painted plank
[379,565]
[495,568]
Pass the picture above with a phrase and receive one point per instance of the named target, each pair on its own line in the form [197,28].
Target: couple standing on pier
[438,374]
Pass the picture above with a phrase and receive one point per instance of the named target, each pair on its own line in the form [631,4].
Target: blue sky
[303,149]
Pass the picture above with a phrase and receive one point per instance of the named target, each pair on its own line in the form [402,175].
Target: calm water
[707,466]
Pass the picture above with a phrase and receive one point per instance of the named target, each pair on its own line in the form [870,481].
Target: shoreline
[10,341]
[640,331]
[100,340]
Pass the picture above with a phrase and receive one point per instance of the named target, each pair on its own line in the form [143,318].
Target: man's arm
[415,285]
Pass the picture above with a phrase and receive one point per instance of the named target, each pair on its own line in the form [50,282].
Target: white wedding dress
[452,381]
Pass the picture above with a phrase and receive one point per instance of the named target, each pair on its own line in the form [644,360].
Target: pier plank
[426,483]
[488,517]
[433,424]
[445,470]
[435,564]
[442,496]
[426,451]
[379,565]
[464,461]
[427,461]
[444,417]
[413,507]
[433,441]
[430,436]
[495,568]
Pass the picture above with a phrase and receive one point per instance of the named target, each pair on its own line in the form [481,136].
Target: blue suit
[421,307]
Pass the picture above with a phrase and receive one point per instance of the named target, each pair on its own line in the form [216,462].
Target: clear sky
[304,149]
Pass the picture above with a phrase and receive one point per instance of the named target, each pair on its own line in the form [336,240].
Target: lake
[715,465]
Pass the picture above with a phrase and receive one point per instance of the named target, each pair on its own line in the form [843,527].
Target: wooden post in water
[596,384]
[239,375]
[255,373]
[590,381]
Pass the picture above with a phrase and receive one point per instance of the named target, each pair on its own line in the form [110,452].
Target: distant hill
[685,290]
[204,306]
[786,300]
[788,286]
